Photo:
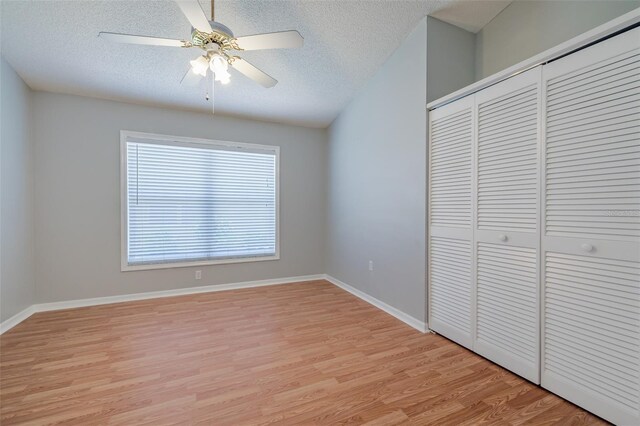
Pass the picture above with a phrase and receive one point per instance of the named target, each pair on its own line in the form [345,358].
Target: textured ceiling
[54,46]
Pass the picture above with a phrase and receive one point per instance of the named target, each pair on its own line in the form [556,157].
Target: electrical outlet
[371,265]
[198,275]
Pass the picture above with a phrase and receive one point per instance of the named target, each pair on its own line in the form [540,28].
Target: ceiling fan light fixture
[218,64]
[200,65]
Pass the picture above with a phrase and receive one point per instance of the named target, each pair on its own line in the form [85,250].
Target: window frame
[126,136]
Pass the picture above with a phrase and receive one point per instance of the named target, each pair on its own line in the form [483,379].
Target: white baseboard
[80,303]
[404,317]
[9,323]
[55,306]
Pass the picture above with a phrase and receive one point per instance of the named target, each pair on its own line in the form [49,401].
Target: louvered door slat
[450,292]
[604,153]
[451,151]
[449,257]
[508,147]
[595,72]
[569,342]
[506,224]
[591,228]
[507,306]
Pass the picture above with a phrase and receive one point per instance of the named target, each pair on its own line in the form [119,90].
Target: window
[191,201]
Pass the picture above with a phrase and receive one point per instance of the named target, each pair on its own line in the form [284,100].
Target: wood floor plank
[305,353]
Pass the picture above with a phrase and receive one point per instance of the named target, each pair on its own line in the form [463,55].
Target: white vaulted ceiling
[54,46]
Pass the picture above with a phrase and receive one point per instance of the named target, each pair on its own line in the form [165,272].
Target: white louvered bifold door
[450,220]
[591,229]
[506,224]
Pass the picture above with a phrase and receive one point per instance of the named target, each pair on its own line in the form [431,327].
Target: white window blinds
[199,201]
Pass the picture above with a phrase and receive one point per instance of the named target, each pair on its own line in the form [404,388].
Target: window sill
[127,268]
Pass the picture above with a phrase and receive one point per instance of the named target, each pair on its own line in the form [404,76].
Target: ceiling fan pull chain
[213,87]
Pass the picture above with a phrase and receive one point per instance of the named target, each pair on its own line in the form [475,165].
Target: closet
[534,225]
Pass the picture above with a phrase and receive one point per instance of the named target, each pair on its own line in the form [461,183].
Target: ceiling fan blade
[253,73]
[195,15]
[281,40]
[136,39]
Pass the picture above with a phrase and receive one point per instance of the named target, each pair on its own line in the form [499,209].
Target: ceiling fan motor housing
[216,26]
[220,35]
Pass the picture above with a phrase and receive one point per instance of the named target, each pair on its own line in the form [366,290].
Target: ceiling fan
[218,45]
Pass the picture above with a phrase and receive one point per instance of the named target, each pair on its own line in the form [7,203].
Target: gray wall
[450,58]
[17,283]
[77,184]
[526,28]
[377,169]
[364,192]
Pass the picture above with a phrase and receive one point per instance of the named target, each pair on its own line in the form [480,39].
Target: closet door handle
[503,238]
[587,247]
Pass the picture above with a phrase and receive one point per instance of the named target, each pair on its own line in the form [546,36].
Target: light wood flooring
[307,353]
